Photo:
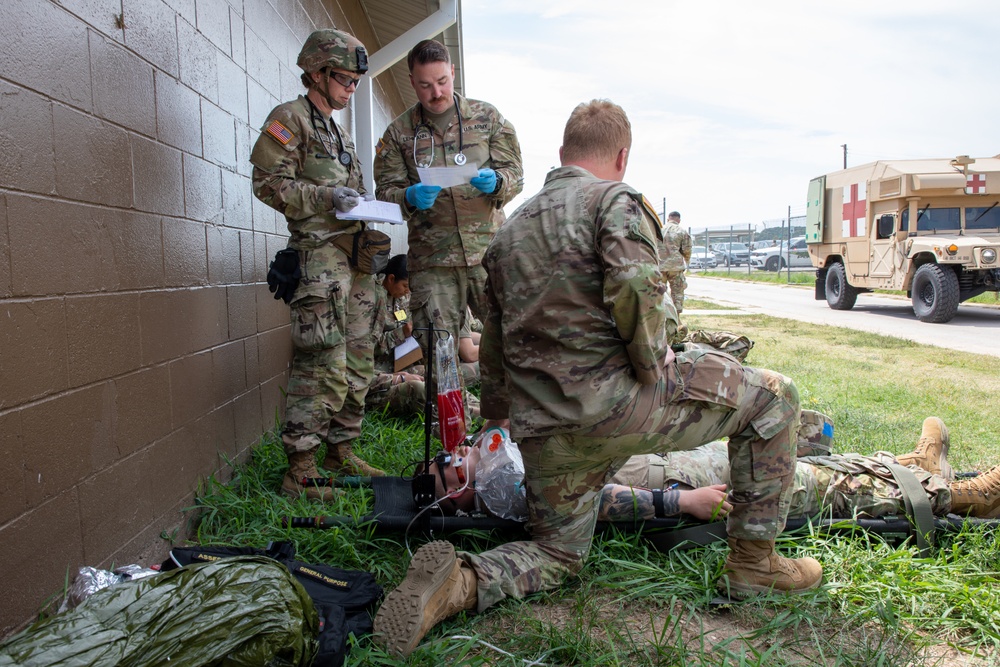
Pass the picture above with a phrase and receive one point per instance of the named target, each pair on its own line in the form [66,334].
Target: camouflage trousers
[841,486]
[406,398]
[854,485]
[707,395]
[332,313]
[678,285]
[442,295]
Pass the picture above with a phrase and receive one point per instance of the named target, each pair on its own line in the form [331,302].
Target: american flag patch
[279,132]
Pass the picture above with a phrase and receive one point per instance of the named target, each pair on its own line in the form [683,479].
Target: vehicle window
[931,219]
[982,217]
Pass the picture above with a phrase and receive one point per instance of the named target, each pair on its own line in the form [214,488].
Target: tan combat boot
[341,460]
[978,496]
[755,567]
[931,453]
[300,465]
[437,585]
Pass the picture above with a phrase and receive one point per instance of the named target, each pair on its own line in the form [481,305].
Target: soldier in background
[449,229]
[674,261]
[304,166]
[575,359]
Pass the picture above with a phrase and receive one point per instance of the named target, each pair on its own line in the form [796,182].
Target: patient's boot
[978,496]
[931,453]
[341,460]
[753,566]
[302,465]
[437,585]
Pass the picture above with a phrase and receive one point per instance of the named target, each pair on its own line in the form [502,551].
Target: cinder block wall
[138,342]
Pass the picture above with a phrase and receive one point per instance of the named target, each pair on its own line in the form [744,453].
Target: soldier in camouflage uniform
[675,258]
[448,229]
[840,485]
[574,353]
[304,165]
[694,481]
[394,324]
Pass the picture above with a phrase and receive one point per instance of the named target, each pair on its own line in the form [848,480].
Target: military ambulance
[930,227]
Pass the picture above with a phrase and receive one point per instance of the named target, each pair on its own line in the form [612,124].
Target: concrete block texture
[139,346]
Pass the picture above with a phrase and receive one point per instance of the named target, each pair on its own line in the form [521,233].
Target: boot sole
[399,623]
[738,591]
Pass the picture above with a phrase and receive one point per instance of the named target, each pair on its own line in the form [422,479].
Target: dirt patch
[652,632]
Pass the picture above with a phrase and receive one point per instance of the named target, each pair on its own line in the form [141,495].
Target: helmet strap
[323,88]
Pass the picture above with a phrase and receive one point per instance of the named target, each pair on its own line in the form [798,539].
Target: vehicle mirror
[886,225]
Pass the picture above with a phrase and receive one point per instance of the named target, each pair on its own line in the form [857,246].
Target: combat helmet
[333,48]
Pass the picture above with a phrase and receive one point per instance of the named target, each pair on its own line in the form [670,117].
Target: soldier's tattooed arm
[626,503]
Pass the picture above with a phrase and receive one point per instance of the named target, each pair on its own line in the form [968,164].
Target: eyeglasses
[343,79]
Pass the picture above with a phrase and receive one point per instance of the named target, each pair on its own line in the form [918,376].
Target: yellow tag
[400,315]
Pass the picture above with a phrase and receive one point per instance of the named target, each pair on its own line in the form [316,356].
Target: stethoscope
[342,155]
[424,127]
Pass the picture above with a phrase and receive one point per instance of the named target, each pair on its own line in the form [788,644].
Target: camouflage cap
[333,48]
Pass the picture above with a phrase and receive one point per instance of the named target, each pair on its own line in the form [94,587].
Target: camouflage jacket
[388,330]
[457,229]
[574,279]
[295,172]
[676,251]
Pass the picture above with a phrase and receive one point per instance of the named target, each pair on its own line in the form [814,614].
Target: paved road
[975,329]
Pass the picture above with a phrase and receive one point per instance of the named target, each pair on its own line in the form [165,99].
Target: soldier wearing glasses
[449,228]
[306,168]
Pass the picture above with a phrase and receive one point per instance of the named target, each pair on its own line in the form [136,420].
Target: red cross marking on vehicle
[975,184]
[854,208]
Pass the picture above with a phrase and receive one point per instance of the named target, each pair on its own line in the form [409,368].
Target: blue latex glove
[422,196]
[485,182]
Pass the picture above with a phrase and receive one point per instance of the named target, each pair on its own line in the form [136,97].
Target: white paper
[447,177]
[378,211]
[407,346]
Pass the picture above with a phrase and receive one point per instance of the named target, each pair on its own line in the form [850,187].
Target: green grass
[881,604]
[703,304]
[757,276]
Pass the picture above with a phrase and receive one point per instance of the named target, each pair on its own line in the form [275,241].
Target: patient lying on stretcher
[695,483]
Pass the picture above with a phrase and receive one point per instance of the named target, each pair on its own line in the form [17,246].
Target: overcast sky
[736,105]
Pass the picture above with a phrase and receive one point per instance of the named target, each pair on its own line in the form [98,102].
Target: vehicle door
[798,254]
[887,255]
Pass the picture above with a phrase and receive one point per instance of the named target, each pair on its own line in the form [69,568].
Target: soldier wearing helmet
[305,166]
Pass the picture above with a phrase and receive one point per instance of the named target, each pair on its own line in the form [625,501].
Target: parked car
[778,257]
[701,258]
[731,254]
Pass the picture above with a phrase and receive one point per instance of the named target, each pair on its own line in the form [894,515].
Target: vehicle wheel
[934,293]
[772,264]
[840,295]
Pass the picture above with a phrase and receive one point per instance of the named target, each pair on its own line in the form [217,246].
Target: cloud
[736,105]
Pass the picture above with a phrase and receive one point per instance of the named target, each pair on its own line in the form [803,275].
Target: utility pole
[844,146]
